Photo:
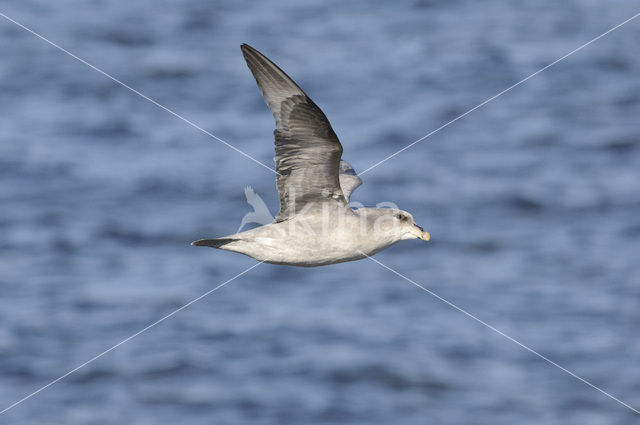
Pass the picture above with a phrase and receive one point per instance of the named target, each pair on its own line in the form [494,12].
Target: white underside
[310,240]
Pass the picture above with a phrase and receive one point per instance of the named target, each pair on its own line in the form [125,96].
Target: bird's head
[407,228]
[398,225]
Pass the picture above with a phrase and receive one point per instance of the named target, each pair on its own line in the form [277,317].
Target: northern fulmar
[315,225]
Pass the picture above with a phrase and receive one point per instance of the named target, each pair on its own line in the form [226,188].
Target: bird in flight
[315,225]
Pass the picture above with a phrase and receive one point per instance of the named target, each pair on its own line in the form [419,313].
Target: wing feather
[349,180]
[307,149]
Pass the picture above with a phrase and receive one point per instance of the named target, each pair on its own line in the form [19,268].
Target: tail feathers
[213,243]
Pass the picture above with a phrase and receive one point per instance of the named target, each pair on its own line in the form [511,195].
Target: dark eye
[400,217]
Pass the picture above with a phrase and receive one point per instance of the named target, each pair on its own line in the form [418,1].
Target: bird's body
[325,234]
[315,225]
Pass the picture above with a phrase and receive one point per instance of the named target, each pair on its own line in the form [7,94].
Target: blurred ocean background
[533,204]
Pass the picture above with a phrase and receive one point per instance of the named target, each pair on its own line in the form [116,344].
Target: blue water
[533,204]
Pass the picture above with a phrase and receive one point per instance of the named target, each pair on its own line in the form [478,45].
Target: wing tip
[248,50]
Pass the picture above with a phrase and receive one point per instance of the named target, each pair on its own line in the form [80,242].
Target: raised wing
[307,149]
[349,180]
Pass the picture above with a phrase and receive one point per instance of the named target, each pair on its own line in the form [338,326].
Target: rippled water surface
[532,201]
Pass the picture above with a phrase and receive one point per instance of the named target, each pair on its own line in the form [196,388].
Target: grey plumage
[349,180]
[307,149]
[315,225]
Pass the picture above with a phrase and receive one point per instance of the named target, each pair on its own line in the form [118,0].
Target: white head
[393,224]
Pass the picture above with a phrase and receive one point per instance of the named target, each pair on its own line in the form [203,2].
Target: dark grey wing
[349,180]
[307,149]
